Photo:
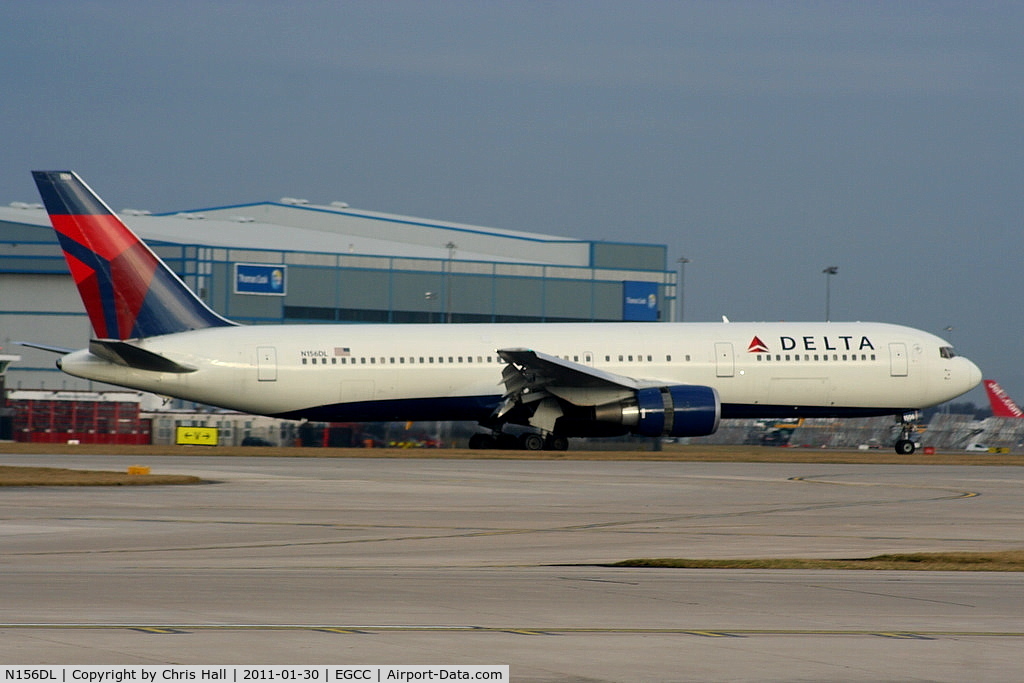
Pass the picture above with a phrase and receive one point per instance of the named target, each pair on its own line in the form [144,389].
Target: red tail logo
[1002,404]
[127,290]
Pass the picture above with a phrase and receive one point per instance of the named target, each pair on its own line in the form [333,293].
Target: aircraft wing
[531,376]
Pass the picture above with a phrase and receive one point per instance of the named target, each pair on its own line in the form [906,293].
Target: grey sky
[764,141]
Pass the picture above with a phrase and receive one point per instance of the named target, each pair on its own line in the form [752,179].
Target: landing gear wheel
[556,443]
[532,442]
[905,447]
[908,427]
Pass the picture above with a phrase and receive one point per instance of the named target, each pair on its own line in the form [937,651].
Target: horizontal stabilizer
[133,356]
[45,347]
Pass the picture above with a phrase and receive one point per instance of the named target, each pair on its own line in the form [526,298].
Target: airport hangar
[291,261]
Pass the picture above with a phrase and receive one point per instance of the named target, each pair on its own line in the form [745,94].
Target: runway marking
[441,532]
[352,629]
[957,494]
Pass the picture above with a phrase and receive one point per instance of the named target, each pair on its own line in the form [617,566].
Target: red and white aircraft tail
[1002,404]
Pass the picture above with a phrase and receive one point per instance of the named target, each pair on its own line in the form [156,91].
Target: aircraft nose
[973,375]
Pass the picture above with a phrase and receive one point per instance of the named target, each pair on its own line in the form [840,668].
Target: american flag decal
[342,351]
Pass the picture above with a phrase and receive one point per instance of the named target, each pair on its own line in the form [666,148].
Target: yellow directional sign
[196,436]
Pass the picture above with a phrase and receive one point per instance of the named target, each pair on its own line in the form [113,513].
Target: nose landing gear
[905,444]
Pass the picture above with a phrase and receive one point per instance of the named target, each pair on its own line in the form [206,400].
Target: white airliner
[560,380]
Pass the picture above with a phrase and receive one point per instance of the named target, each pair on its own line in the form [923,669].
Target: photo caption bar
[323,673]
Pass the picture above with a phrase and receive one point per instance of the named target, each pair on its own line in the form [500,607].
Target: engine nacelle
[678,410]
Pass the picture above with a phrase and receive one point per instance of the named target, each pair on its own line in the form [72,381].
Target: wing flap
[532,374]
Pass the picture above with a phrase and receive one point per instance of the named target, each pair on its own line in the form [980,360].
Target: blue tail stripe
[64,198]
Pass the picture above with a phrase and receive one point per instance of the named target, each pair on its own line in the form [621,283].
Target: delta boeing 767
[557,379]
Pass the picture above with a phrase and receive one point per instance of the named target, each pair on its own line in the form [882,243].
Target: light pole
[829,272]
[430,296]
[682,284]
[451,246]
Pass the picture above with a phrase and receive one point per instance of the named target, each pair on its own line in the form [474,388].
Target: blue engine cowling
[678,410]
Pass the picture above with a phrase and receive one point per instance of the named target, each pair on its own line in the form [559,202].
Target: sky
[764,141]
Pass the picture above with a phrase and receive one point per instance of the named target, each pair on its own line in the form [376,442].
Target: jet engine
[678,410]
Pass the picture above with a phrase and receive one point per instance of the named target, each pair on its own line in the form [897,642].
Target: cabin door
[266,363]
[898,366]
[725,364]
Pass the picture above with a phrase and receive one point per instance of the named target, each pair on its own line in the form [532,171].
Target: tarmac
[374,561]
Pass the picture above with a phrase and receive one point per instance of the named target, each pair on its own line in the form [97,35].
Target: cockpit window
[947,352]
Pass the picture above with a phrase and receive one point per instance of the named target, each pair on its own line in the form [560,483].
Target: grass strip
[1002,561]
[54,476]
[670,453]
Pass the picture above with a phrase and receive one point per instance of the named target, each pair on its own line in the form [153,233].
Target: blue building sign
[640,301]
[260,278]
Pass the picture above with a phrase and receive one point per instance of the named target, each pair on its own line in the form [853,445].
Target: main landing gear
[528,441]
[908,427]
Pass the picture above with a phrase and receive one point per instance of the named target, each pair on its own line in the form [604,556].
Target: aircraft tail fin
[1002,404]
[128,292]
